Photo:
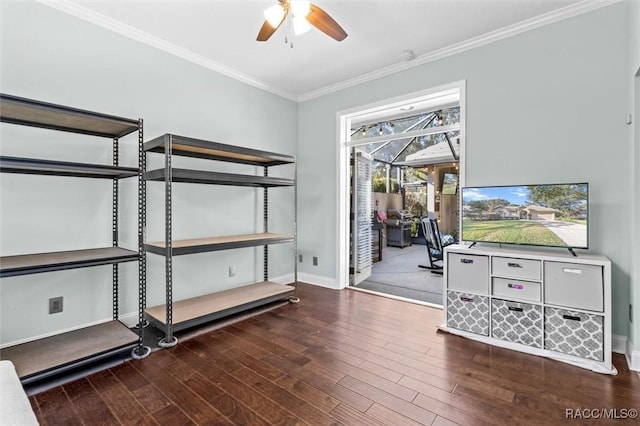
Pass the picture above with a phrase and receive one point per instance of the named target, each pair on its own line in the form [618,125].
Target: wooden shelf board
[190,147]
[56,261]
[55,352]
[34,113]
[217,305]
[63,168]
[216,178]
[200,245]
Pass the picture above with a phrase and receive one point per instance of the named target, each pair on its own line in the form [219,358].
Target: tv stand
[545,303]
[572,252]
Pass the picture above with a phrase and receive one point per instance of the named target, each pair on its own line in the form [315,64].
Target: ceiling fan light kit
[302,15]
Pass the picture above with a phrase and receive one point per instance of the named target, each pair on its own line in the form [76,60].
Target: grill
[399,228]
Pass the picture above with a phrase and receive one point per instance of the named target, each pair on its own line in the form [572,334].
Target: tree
[570,199]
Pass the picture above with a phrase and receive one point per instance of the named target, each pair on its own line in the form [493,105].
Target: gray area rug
[398,274]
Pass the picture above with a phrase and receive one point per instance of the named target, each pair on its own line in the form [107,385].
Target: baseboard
[633,356]
[283,279]
[619,344]
[318,280]
[53,333]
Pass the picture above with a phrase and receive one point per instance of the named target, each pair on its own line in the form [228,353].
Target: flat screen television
[553,215]
[450,184]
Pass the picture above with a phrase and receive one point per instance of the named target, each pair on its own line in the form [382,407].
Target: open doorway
[415,144]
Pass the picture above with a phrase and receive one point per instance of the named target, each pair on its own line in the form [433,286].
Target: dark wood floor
[338,358]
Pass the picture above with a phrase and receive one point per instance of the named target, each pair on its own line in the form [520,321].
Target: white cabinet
[545,303]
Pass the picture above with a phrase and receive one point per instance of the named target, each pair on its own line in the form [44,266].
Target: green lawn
[509,231]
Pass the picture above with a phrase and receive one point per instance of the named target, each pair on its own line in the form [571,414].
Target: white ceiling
[221,35]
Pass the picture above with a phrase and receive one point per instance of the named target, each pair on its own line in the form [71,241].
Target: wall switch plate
[315,260]
[630,313]
[300,258]
[232,271]
[55,305]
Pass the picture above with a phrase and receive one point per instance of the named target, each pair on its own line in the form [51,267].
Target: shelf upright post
[265,209]
[295,298]
[141,351]
[114,231]
[169,339]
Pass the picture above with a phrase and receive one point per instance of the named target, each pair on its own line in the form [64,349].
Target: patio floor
[398,274]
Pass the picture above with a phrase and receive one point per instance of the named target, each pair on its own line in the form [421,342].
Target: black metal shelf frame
[63,168]
[170,145]
[34,113]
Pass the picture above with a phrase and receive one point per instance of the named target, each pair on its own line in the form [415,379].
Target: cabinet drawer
[468,312]
[468,273]
[574,285]
[511,267]
[516,322]
[516,289]
[574,333]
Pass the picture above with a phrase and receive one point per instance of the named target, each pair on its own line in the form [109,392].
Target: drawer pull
[571,317]
[514,265]
[572,270]
[515,309]
[515,286]
[467,261]
[466,299]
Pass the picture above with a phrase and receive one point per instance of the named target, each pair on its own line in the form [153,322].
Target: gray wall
[54,57]
[544,106]
[548,105]
[633,75]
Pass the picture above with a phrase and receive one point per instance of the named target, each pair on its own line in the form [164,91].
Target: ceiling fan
[302,15]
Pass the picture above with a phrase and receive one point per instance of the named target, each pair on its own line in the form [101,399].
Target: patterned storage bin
[516,322]
[468,312]
[574,333]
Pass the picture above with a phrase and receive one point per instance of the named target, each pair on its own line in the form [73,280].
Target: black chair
[435,247]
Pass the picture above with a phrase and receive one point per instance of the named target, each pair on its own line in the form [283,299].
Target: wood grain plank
[389,417]
[269,410]
[410,410]
[349,416]
[126,409]
[305,411]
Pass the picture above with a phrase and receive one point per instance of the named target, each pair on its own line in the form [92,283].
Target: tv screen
[450,184]
[554,215]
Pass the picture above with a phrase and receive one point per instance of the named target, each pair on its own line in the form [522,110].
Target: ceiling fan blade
[267,30]
[325,23]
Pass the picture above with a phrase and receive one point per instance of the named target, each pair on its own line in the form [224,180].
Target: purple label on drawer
[515,286]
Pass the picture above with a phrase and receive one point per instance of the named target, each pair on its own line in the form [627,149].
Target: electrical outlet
[55,305]
[232,271]
[300,258]
[315,260]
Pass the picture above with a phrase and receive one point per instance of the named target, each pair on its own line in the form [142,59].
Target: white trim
[500,34]
[55,333]
[618,344]
[153,41]
[343,119]
[633,356]
[511,30]
[283,279]
[394,297]
[318,280]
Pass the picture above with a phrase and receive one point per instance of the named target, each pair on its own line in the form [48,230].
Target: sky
[514,194]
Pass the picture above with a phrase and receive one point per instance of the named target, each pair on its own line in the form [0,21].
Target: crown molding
[490,37]
[493,36]
[148,39]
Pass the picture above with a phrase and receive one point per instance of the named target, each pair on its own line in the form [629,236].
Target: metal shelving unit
[44,357]
[174,316]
